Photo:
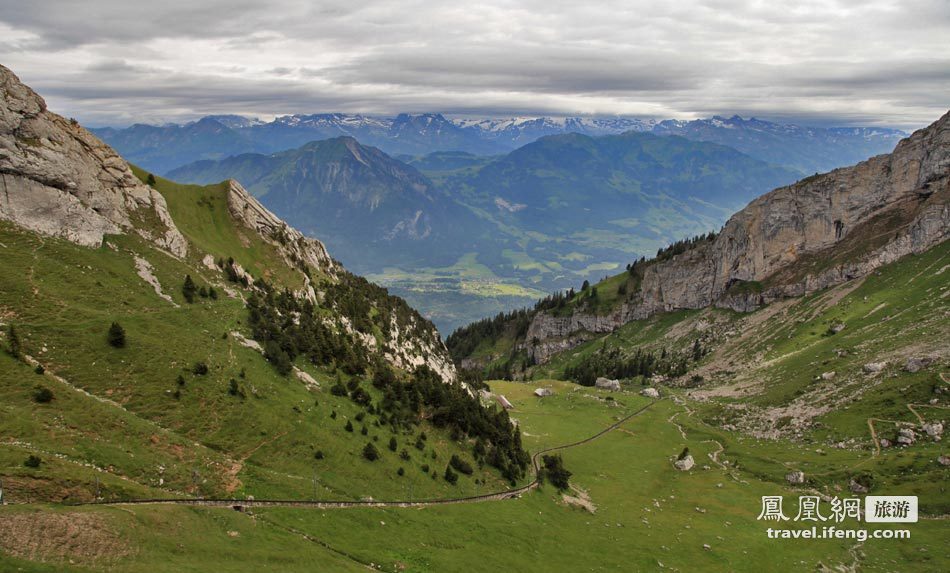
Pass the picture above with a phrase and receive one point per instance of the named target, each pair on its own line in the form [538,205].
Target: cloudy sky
[115,62]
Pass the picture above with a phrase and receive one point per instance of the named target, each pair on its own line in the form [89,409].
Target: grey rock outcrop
[819,232]
[915,364]
[247,210]
[607,384]
[874,367]
[58,179]
[795,478]
[934,430]
[906,436]
[685,463]
[650,393]
[856,487]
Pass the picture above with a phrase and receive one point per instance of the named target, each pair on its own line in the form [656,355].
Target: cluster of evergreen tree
[612,363]
[554,471]
[288,327]
[466,339]
[426,396]
[369,307]
[683,245]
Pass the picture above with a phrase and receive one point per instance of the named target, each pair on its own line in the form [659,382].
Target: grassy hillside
[640,514]
[144,420]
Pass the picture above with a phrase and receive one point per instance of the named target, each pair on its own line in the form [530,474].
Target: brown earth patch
[77,537]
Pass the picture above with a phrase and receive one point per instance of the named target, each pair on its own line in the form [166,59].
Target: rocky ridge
[816,233]
[58,179]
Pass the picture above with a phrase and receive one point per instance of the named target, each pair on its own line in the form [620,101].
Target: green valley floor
[629,510]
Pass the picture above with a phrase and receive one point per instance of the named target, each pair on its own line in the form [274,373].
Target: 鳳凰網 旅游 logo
[833,512]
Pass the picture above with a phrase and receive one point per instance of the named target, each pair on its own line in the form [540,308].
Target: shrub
[333,415]
[364,430]
[200,368]
[43,395]
[460,465]
[451,476]
[392,444]
[13,342]
[39,369]
[150,179]
[318,455]
[116,335]
[338,389]
[370,452]
[33,462]
[180,380]
[349,426]
[555,472]
[401,472]
[404,455]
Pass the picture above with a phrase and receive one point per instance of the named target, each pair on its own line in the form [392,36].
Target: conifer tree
[188,290]
[116,335]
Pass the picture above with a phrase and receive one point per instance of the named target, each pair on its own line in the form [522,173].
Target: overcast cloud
[115,62]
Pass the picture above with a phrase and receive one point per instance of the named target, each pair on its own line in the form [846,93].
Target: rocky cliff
[819,232]
[58,179]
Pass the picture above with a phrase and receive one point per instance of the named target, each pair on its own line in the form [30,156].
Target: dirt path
[233,483]
[500,495]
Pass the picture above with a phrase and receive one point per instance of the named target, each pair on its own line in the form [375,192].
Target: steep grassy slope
[62,298]
[140,420]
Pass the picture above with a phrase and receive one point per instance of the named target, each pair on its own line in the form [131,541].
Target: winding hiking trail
[910,406]
[240,504]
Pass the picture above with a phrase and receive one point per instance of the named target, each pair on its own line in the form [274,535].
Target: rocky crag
[816,233]
[57,179]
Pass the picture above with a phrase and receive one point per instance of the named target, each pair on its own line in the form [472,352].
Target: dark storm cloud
[115,62]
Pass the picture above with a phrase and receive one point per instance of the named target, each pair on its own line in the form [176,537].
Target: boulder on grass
[650,393]
[607,384]
[685,463]
[795,478]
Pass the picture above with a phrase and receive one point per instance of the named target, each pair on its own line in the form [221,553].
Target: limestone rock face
[791,241]
[247,210]
[58,179]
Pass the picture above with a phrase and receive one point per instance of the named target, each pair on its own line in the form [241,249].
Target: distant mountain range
[452,232]
[370,207]
[163,148]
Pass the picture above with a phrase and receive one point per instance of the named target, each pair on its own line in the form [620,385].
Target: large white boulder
[607,384]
